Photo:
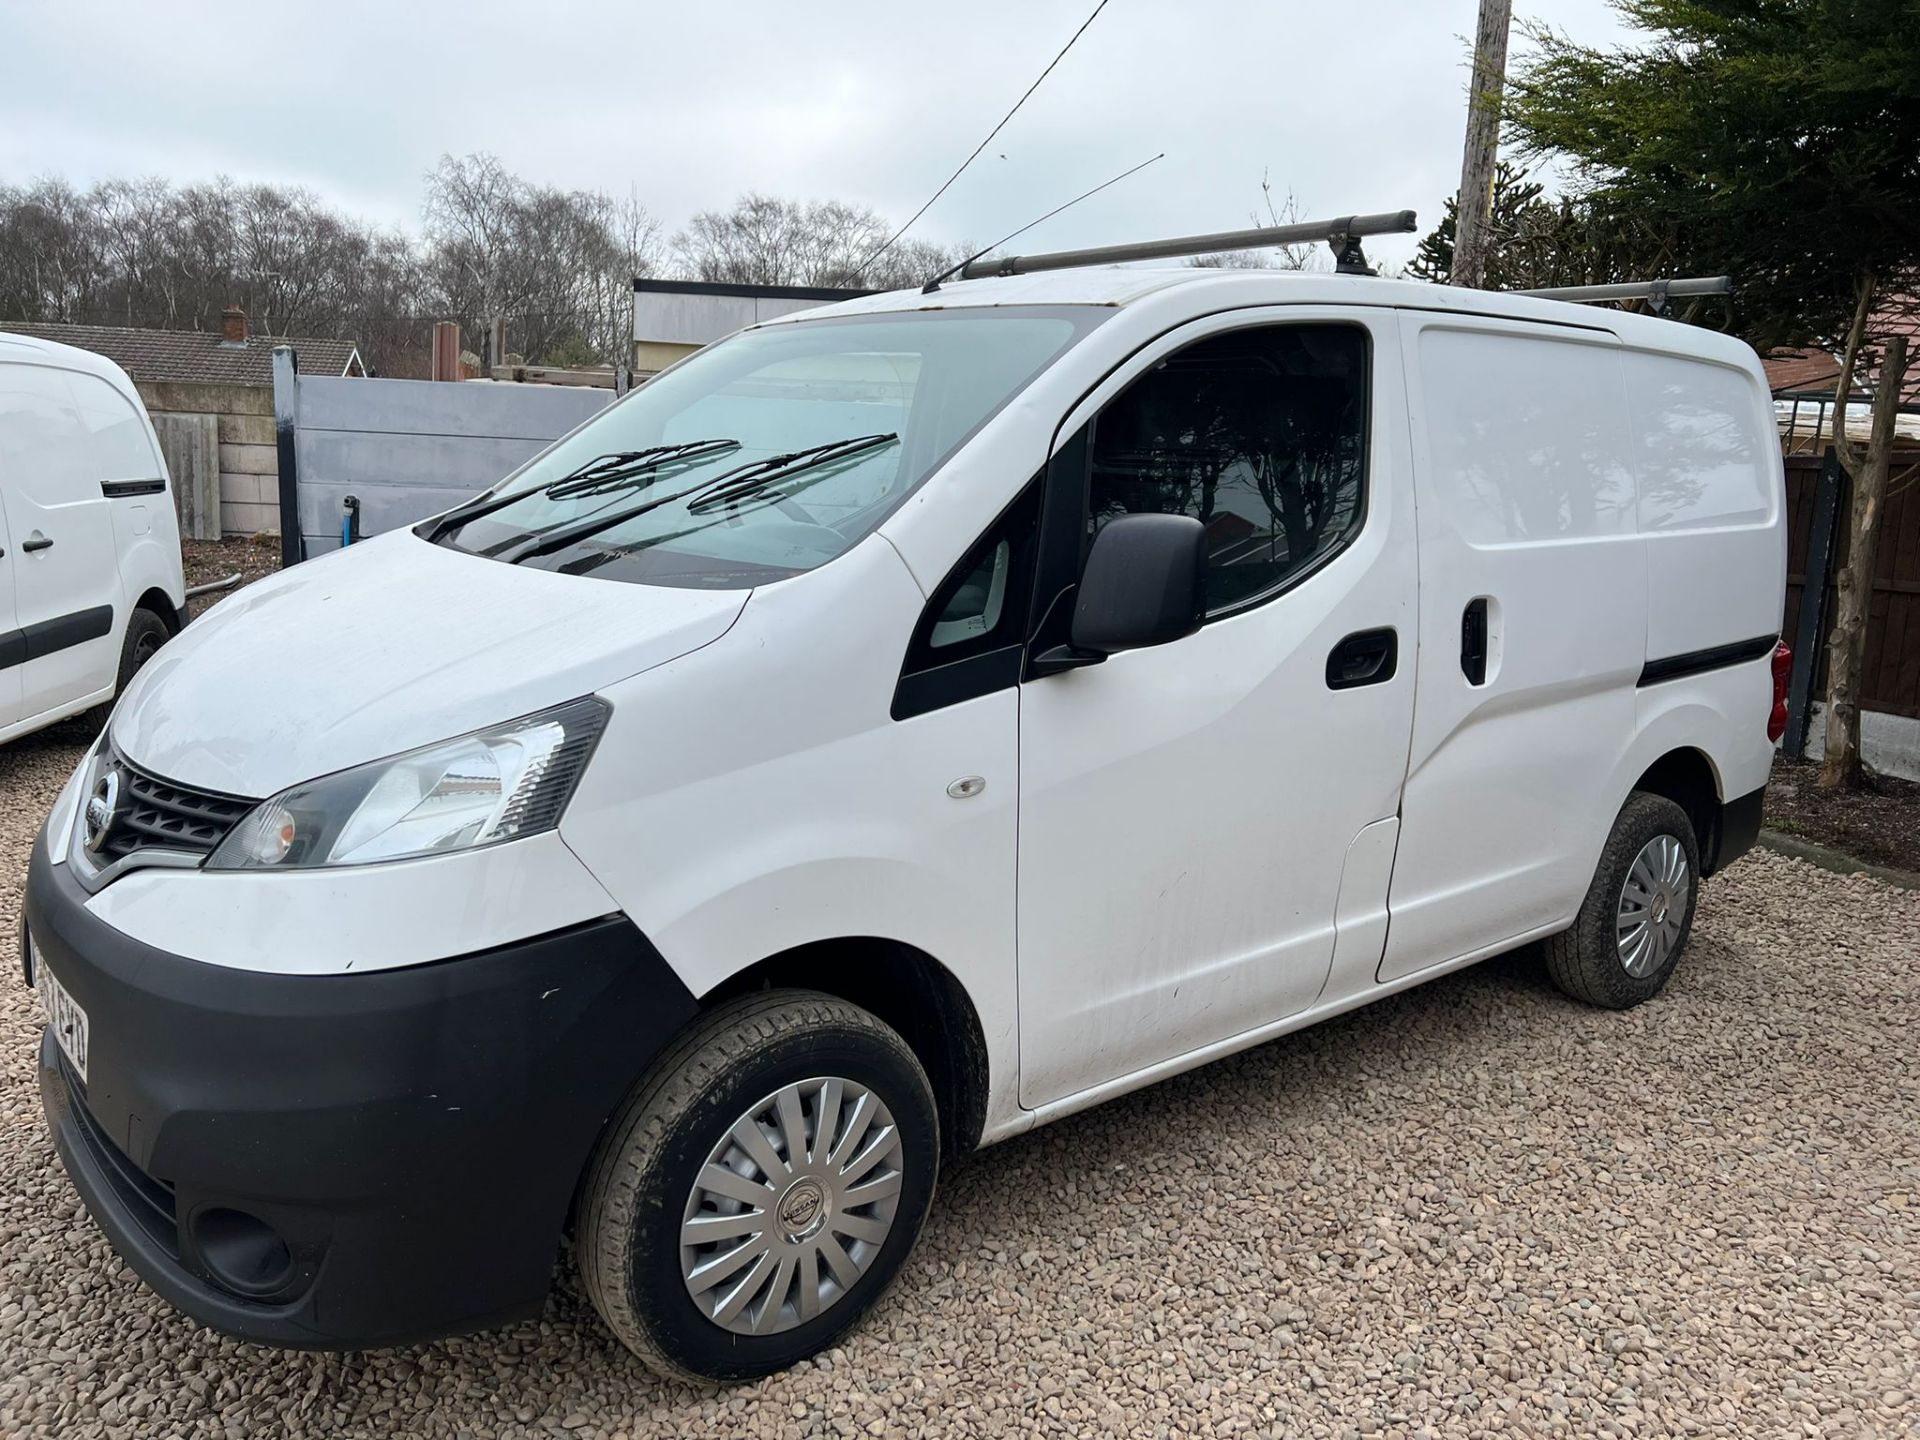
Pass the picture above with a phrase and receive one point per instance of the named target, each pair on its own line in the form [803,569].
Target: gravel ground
[206,561]
[1473,1209]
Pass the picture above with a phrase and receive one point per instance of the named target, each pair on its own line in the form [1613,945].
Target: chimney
[233,326]
[446,350]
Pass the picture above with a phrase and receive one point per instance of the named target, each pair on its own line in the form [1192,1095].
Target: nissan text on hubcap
[792,1206]
[1653,902]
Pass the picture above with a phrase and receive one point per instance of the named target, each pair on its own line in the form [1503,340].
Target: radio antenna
[947,274]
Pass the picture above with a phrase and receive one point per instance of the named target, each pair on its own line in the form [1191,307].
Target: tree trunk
[1473,209]
[1847,651]
[1864,285]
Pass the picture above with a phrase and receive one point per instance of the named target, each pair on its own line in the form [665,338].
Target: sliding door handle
[36,541]
[1473,641]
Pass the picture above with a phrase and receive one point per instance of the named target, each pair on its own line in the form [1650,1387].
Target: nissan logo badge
[102,806]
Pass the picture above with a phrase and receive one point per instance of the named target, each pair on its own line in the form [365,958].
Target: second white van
[892,728]
[91,584]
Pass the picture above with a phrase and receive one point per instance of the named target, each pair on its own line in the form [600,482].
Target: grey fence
[404,449]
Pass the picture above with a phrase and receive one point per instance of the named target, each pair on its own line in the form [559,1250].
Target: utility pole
[1473,209]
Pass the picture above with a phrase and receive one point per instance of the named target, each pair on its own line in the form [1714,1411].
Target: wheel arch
[1687,776]
[912,992]
[161,604]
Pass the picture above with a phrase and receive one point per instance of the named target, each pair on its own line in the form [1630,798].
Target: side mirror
[1144,584]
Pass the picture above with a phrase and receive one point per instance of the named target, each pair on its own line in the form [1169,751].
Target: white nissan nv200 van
[892,728]
[90,576]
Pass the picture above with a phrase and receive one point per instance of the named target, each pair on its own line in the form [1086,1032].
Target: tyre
[1638,913]
[146,633]
[760,1188]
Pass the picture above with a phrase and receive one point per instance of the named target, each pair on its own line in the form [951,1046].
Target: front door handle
[36,541]
[1366,657]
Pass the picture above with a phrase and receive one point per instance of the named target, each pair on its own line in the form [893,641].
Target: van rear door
[1533,613]
[66,573]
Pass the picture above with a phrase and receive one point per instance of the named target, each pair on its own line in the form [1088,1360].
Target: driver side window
[1259,434]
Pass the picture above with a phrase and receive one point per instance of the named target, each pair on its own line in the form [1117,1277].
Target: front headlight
[494,785]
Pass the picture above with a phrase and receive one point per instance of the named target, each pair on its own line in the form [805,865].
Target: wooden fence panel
[191,445]
[1890,679]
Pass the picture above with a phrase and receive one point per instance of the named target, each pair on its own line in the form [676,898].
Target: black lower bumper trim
[413,1136]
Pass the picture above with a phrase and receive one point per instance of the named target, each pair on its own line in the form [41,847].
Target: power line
[984,143]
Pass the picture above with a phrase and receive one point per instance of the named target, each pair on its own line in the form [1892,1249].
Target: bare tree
[766,240]
[1853,588]
[1279,257]
[50,256]
[557,266]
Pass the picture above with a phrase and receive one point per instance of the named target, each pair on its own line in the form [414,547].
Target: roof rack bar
[1342,234]
[1656,290]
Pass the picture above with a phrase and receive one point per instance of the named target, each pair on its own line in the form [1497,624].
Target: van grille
[156,814]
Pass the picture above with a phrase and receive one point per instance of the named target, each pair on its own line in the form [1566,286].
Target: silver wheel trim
[1653,906]
[792,1206]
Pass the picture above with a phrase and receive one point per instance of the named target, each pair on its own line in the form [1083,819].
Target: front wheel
[761,1187]
[1638,912]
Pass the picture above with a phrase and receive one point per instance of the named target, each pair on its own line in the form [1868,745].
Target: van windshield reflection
[767,455]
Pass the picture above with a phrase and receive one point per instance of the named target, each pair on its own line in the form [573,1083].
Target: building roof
[824,294]
[197,357]
[1815,372]
[1801,370]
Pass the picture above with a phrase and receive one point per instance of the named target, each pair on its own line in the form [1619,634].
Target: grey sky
[1356,106]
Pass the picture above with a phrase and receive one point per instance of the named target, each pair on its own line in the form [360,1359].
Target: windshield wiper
[610,472]
[605,472]
[749,480]
[744,480]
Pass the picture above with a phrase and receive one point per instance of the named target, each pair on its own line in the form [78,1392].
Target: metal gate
[401,450]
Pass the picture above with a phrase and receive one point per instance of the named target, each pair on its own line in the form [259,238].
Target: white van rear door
[66,573]
[1524,481]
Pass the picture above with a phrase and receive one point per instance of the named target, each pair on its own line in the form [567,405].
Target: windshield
[770,453]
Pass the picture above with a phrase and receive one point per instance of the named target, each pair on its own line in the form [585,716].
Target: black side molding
[114,489]
[47,637]
[1698,662]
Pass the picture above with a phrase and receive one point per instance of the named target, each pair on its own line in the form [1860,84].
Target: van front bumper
[343,1161]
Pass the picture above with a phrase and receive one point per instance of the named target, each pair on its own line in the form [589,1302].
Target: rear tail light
[1782,670]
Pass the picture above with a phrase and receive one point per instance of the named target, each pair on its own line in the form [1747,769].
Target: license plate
[68,1020]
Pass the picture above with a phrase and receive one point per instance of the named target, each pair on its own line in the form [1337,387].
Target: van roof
[32,350]
[1120,286]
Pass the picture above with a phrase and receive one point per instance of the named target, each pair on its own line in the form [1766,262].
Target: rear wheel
[761,1187]
[1638,912]
[146,633]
